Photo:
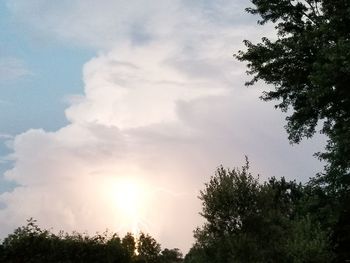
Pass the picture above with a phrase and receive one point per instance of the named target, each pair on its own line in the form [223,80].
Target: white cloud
[98,24]
[163,112]
[5,136]
[12,69]
[102,24]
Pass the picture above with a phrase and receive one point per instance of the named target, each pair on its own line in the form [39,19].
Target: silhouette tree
[148,249]
[31,244]
[247,221]
[129,244]
[309,67]
[171,256]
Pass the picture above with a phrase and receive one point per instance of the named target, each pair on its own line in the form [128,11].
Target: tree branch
[303,12]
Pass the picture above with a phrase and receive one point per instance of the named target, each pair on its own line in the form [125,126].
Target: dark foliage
[248,221]
[309,67]
[30,244]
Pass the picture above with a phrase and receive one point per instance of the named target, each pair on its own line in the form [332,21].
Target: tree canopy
[309,67]
[30,243]
[247,221]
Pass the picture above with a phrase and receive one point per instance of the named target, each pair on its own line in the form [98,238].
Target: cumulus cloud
[163,106]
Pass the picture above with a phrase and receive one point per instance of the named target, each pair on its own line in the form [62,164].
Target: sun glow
[129,198]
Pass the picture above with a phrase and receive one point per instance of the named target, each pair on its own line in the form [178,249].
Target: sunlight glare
[129,198]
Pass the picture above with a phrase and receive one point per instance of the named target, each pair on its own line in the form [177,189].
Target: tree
[148,249]
[26,244]
[129,244]
[307,242]
[230,206]
[309,68]
[171,256]
[32,244]
[229,198]
[248,221]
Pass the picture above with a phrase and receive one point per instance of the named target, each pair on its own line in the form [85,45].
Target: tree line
[31,244]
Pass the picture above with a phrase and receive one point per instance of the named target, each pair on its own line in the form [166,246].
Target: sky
[114,114]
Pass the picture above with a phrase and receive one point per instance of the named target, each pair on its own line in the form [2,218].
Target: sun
[129,198]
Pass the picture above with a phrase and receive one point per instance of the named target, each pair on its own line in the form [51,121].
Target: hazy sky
[113,114]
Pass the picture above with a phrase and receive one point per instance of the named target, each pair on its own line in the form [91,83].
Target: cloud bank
[163,106]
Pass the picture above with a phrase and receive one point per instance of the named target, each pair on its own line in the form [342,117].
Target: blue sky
[142,95]
[36,99]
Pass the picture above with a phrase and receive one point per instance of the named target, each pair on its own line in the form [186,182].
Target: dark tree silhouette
[248,221]
[31,244]
[309,67]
